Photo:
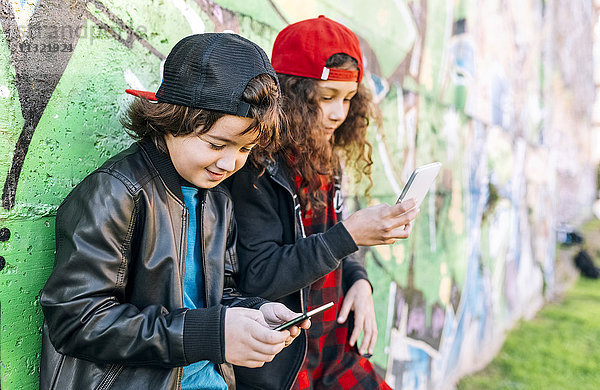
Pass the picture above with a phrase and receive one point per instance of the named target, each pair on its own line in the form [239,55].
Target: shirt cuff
[204,334]
[339,241]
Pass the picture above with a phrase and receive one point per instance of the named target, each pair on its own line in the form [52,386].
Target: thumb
[257,316]
[283,313]
[261,320]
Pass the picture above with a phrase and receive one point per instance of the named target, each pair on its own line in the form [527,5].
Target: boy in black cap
[142,294]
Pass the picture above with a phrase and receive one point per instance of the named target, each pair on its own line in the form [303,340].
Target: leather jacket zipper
[179,377]
[110,376]
[184,233]
[200,212]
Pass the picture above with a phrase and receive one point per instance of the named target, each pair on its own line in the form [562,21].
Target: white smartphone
[419,182]
[303,317]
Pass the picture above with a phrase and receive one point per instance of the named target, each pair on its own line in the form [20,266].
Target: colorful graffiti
[475,85]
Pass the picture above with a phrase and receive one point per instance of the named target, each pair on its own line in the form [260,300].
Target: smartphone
[419,182]
[304,316]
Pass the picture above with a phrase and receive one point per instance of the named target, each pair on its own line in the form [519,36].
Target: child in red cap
[293,245]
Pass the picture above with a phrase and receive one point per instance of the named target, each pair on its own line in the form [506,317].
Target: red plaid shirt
[331,363]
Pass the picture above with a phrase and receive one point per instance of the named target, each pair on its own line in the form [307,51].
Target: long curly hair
[301,139]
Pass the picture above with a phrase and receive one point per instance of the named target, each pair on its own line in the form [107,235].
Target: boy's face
[206,160]
[334,100]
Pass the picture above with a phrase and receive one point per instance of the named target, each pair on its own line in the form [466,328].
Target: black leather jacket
[113,306]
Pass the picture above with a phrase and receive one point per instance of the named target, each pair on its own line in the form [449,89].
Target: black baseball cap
[210,71]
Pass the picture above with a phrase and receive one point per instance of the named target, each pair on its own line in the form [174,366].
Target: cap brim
[142,94]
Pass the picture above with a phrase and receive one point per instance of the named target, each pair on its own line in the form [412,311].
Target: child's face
[334,100]
[206,160]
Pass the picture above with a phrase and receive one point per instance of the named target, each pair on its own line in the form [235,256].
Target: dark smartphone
[303,317]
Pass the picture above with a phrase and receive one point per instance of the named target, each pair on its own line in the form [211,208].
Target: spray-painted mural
[479,86]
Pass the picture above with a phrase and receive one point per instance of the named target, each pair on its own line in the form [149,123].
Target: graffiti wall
[499,91]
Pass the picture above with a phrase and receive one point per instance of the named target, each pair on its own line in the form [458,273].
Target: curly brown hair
[145,120]
[301,138]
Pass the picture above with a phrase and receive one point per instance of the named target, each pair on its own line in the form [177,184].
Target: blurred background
[502,92]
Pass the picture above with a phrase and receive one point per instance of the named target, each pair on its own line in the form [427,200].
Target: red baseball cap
[302,49]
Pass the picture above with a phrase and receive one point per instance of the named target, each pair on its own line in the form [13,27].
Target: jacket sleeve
[272,263]
[85,298]
[354,269]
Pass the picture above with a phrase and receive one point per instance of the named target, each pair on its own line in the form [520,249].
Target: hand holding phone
[384,224]
[304,316]
[419,183]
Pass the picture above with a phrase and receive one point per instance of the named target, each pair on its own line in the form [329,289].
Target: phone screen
[303,317]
